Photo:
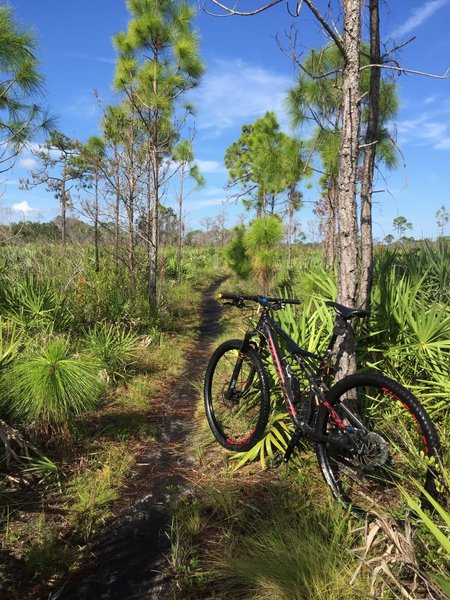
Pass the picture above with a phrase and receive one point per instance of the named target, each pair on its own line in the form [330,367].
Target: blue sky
[246,75]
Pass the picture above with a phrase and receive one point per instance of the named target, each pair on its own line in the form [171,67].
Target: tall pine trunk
[348,163]
[329,258]
[96,222]
[154,234]
[370,149]
[116,211]
[180,223]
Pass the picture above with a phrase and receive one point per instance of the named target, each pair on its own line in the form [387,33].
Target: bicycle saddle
[348,313]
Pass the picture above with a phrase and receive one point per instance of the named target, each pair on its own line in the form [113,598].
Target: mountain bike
[372,436]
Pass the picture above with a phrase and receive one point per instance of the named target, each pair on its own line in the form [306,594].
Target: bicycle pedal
[277,460]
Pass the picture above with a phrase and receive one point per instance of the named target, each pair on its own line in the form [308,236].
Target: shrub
[50,387]
[114,347]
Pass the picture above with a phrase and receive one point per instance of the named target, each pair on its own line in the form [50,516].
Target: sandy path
[128,557]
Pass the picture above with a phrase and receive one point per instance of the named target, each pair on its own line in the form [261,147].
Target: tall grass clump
[114,347]
[10,342]
[49,387]
[271,544]
[34,305]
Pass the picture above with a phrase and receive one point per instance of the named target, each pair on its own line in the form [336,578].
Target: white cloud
[104,59]
[235,92]
[83,106]
[210,166]
[27,163]
[23,207]
[199,204]
[423,130]
[419,15]
[443,144]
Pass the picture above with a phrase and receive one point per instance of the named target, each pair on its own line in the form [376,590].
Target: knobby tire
[237,423]
[401,450]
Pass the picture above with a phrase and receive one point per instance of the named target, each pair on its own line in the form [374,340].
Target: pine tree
[158,62]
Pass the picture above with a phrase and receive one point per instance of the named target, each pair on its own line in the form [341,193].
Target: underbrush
[250,533]
[70,328]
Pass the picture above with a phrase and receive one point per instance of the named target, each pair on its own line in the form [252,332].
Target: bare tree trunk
[290,228]
[348,163]
[180,222]
[116,212]
[149,211]
[63,206]
[96,229]
[154,238]
[329,258]
[130,241]
[370,149]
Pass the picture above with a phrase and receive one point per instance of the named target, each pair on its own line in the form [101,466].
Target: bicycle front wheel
[394,444]
[238,414]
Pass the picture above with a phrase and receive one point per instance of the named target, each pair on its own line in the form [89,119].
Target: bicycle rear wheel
[237,417]
[396,444]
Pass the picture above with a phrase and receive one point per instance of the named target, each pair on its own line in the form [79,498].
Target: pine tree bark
[348,163]
[330,233]
[154,237]
[96,222]
[370,149]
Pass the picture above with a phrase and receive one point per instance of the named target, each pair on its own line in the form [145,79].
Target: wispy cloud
[425,129]
[210,166]
[80,55]
[236,92]
[199,204]
[27,163]
[419,15]
[84,106]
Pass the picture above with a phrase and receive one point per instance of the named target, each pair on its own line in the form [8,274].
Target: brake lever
[278,306]
[236,303]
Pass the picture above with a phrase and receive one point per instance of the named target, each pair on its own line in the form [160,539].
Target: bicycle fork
[230,393]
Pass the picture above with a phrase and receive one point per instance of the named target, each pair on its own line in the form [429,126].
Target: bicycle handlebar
[262,300]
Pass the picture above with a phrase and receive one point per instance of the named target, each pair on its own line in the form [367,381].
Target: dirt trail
[128,557]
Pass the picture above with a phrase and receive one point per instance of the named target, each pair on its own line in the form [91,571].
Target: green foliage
[279,545]
[50,386]
[44,552]
[236,255]
[411,321]
[261,241]
[317,95]
[275,440]
[266,232]
[10,342]
[20,84]
[34,305]
[264,161]
[438,525]
[92,491]
[113,347]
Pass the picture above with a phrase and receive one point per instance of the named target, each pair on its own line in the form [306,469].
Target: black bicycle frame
[269,331]
[313,365]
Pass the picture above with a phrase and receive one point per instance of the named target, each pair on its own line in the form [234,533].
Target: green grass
[263,541]
[91,493]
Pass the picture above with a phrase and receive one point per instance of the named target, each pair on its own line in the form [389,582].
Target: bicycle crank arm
[344,442]
[341,441]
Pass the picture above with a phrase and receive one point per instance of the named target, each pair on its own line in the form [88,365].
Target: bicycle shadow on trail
[128,558]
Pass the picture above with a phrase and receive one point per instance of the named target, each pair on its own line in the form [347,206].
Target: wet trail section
[127,560]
